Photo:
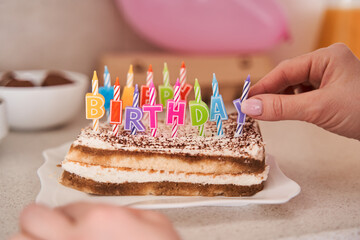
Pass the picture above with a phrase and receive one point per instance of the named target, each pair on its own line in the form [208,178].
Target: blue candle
[217,108]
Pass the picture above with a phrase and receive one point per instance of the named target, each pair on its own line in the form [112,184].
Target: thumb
[274,107]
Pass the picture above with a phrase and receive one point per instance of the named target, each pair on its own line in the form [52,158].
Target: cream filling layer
[254,151]
[116,175]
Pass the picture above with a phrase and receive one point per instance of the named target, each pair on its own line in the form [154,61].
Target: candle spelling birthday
[134,114]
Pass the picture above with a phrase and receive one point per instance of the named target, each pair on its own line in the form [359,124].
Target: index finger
[306,68]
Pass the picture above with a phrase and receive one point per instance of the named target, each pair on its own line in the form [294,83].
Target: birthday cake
[101,164]
[170,156]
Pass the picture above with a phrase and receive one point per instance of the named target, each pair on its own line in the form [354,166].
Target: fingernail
[252,107]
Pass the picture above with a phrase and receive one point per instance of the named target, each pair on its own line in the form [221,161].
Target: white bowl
[34,108]
[3,121]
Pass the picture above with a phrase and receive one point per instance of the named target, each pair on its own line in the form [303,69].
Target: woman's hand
[334,105]
[90,221]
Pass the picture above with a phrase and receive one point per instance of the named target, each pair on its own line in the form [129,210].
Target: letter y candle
[237,103]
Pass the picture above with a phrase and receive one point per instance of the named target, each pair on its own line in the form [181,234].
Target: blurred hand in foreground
[327,83]
[90,221]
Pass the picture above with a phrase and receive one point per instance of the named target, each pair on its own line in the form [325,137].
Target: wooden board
[231,71]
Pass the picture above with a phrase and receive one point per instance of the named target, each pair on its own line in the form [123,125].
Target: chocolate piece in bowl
[9,80]
[55,79]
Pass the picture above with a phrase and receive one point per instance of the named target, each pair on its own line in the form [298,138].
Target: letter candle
[185,87]
[134,114]
[144,98]
[135,105]
[174,129]
[237,103]
[95,104]
[128,91]
[116,109]
[153,109]
[166,92]
[175,113]
[217,108]
[199,111]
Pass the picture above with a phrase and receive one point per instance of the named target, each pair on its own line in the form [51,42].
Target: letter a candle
[95,104]
[128,90]
[217,108]
[237,103]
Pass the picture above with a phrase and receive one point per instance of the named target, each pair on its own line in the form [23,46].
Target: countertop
[325,165]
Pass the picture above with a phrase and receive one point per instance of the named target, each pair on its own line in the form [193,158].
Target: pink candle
[174,129]
[152,103]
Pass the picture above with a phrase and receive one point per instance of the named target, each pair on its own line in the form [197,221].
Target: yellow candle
[128,92]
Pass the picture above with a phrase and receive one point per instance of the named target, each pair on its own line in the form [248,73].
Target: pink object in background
[208,26]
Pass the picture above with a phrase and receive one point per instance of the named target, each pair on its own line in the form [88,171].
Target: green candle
[165,91]
[199,111]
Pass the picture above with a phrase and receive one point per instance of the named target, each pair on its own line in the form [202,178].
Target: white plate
[278,189]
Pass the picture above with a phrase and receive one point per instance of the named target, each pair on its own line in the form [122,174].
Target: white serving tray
[278,189]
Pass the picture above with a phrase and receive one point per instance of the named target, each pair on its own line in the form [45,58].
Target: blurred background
[231,38]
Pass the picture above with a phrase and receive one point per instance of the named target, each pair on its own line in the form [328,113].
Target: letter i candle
[241,116]
[116,109]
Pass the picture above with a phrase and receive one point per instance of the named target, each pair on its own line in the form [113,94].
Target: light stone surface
[326,166]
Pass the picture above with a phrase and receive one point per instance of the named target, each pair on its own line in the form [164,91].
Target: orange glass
[341,23]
